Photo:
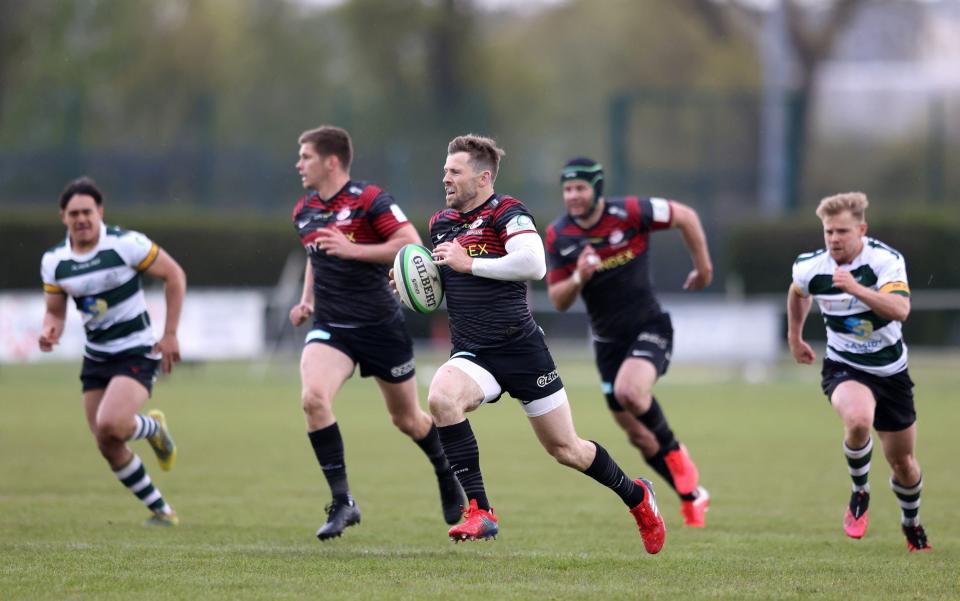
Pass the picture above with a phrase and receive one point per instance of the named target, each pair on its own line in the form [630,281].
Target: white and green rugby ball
[417,279]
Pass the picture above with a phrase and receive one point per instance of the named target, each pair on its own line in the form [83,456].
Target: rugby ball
[417,279]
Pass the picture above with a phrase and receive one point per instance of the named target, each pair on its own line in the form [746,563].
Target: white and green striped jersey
[105,284]
[855,334]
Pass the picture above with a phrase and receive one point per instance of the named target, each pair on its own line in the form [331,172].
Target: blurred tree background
[200,102]
[192,107]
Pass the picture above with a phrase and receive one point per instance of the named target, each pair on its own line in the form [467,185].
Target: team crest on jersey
[861,328]
[472,229]
[96,308]
[344,214]
[616,237]
[617,212]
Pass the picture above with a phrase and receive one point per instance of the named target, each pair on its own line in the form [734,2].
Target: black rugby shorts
[893,394]
[524,369]
[384,351]
[96,375]
[653,342]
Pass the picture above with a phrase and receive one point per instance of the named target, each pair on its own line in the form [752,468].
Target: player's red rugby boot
[478,524]
[695,511]
[916,538]
[683,470]
[855,520]
[652,530]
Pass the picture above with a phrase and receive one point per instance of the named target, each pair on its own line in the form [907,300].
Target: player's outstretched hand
[300,313]
[802,352]
[169,348]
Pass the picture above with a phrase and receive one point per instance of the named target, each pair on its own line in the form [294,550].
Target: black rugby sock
[462,452]
[656,422]
[328,447]
[430,444]
[606,471]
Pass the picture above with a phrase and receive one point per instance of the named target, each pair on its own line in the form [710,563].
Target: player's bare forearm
[563,293]
[306,297]
[798,307]
[56,308]
[884,304]
[53,320]
[386,251]
[338,245]
[695,239]
[174,289]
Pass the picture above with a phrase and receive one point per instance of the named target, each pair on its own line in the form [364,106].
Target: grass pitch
[250,497]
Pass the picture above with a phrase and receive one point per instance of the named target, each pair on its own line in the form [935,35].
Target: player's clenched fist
[48,338]
[300,313]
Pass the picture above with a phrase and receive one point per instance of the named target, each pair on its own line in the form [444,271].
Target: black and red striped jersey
[484,313]
[619,296]
[347,292]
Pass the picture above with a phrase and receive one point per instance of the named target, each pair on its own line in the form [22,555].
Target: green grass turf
[250,497]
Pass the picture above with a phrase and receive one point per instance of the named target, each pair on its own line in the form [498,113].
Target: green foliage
[250,496]
[761,253]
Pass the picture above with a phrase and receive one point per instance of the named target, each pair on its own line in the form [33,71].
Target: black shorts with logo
[384,351]
[653,342]
[96,375]
[524,369]
[893,394]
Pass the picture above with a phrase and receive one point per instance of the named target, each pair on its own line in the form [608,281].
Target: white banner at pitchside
[215,324]
[711,331]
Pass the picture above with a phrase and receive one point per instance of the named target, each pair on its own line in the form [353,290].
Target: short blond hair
[855,202]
